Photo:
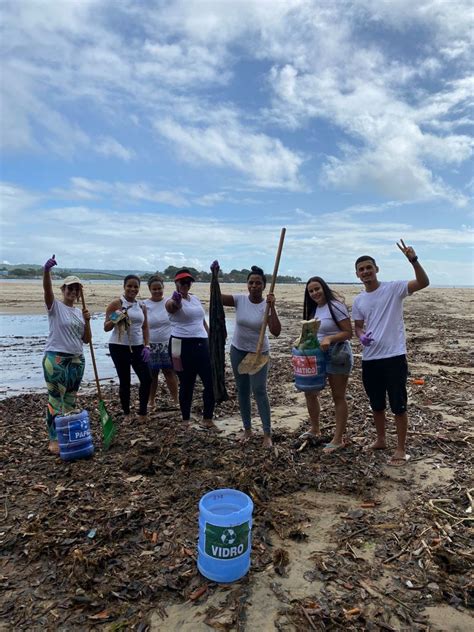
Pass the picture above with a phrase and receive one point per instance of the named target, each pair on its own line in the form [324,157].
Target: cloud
[110,147]
[14,201]
[264,160]
[86,189]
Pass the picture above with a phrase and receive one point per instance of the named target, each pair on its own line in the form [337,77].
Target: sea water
[22,342]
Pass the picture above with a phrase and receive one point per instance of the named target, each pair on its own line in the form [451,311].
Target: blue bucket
[225,528]
[309,367]
[74,436]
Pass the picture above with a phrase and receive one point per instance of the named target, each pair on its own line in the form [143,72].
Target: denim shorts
[159,356]
[339,369]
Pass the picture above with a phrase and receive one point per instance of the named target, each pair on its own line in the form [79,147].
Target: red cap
[183,275]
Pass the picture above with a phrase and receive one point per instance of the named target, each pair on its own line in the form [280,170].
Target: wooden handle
[96,375]
[272,287]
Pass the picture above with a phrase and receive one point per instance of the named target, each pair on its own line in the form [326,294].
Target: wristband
[414,260]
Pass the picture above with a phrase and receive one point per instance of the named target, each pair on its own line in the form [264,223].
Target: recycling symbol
[228,537]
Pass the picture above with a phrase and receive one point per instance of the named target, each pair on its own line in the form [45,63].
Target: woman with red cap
[190,347]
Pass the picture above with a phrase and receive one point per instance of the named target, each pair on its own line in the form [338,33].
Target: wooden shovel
[253,362]
[109,428]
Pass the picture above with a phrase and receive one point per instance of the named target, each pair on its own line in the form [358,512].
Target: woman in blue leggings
[249,312]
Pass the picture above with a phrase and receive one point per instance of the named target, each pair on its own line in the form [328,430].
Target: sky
[137,135]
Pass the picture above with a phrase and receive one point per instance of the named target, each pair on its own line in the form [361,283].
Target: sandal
[330,447]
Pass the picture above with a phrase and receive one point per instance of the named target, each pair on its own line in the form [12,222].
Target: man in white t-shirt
[378,320]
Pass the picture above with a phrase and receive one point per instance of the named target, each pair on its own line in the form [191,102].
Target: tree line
[234,276]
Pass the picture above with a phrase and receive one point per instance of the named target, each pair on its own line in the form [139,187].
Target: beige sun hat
[70,280]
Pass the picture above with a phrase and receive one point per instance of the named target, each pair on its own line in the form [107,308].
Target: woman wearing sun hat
[190,347]
[63,362]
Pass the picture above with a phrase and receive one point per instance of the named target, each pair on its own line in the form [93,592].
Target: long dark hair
[259,272]
[309,306]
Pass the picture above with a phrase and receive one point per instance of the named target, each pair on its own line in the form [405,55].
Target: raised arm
[47,283]
[227,299]
[174,303]
[421,279]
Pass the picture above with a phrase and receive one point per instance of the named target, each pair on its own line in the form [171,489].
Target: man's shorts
[387,376]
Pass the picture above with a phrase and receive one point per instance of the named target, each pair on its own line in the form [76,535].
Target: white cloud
[86,189]
[264,160]
[111,147]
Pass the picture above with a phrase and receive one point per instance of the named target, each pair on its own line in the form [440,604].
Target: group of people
[171,335]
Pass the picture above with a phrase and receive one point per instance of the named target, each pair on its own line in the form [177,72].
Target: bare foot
[267,441]
[245,435]
[379,444]
[53,447]
[141,419]
[208,423]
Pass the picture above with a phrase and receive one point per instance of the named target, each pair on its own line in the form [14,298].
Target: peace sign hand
[408,251]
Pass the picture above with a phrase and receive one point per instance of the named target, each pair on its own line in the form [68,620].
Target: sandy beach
[339,542]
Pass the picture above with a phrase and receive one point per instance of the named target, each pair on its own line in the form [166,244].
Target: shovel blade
[252,363]
[109,429]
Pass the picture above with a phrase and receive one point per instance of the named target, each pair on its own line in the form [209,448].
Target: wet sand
[27,297]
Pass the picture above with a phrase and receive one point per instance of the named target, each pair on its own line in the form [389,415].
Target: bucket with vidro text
[225,527]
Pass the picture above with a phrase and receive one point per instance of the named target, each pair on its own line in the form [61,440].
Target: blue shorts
[159,356]
[344,368]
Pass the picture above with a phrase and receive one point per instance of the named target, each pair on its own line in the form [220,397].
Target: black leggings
[196,361]
[123,359]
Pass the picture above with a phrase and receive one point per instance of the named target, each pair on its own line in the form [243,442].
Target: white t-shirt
[327,325]
[248,321]
[188,322]
[158,320]
[134,335]
[382,313]
[66,328]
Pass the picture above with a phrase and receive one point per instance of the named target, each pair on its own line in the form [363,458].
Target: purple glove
[215,266]
[176,297]
[146,354]
[366,339]
[49,264]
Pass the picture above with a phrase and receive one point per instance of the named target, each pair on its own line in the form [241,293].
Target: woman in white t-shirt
[326,306]
[159,326]
[126,318]
[63,361]
[249,313]
[190,348]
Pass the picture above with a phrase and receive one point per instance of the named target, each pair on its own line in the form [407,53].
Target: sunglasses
[73,288]
[185,281]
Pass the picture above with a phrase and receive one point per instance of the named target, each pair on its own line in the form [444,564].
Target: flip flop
[330,448]
[399,461]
